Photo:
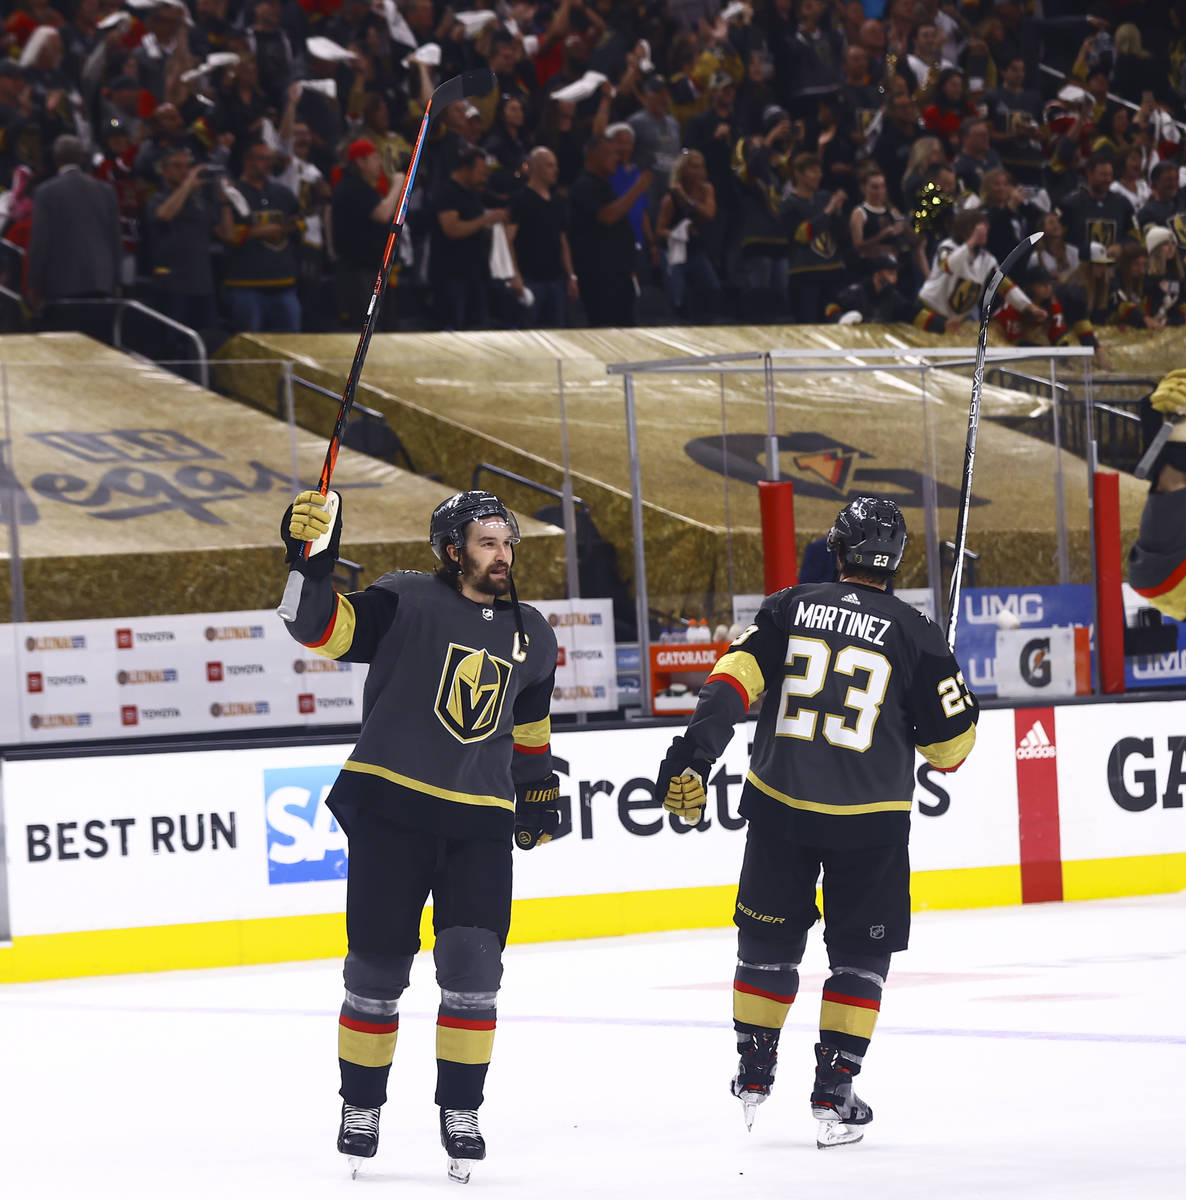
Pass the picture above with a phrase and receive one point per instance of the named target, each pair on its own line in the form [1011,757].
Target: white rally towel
[582,89]
[501,265]
[429,53]
[474,20]
[677,243]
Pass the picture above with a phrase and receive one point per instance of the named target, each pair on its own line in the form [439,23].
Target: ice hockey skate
[359,1135]
[462,1140]
[837,1108]
[755,1071]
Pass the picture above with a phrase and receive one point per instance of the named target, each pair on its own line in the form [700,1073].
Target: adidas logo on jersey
[1036,743]
[851,598]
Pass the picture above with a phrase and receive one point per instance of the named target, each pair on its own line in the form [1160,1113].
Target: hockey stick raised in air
[961,522]
[472,83]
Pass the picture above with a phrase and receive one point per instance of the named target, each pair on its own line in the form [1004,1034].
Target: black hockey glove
[309,520]
[537,812]
[683,776]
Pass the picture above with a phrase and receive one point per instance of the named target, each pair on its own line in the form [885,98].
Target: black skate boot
[462,1140]
[358,1135]
[837,1108]
[754,1080]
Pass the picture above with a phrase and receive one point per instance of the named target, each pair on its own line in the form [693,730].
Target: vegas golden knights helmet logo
[471,694]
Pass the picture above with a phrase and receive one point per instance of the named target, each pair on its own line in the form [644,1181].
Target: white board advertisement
[586,663]
[1122,791]
[171,838]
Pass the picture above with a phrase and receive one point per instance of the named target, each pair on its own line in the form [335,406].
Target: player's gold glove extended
[537,812]
[681,782]
[314,518]
[1170,396]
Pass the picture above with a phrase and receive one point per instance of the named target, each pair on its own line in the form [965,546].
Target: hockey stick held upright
[961,523]
[472,83]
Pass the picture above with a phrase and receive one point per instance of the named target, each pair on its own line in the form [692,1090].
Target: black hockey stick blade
[461,87]
[998,276]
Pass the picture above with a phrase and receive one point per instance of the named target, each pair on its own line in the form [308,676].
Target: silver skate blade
[459,1169]
[836,1133]
[749,1106]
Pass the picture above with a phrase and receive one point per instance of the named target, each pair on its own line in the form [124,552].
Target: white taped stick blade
[333,502]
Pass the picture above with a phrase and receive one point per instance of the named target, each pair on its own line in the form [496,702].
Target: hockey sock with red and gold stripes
[465,1040]
[848,1012]
[367,1031]
[763,994]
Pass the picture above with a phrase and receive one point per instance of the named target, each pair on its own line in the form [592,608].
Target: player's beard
[486,581]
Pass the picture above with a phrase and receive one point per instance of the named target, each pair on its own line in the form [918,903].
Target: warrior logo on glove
[537,812]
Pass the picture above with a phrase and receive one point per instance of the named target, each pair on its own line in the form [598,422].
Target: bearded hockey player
[855,681]
[452,762]
[1157,561]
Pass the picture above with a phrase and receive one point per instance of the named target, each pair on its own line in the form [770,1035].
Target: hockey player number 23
[808,661]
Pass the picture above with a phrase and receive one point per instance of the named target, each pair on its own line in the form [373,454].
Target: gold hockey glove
[681,782]
[1170,396]
[537,812]
[314,518]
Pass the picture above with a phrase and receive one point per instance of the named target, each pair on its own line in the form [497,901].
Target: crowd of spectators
[636,160]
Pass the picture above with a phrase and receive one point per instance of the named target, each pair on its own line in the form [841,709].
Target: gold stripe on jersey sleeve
[743,667]
[339,637]
[533,733]
[834,810]
[951,753]
[428,789]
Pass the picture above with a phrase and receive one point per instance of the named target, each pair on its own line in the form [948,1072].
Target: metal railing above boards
[117,335]
[919,362]
[368,431]
[1117,402]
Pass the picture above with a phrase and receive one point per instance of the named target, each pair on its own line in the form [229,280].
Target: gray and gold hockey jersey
[454,713]
[855,681]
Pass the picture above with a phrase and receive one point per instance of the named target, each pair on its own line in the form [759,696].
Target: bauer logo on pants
[305,843]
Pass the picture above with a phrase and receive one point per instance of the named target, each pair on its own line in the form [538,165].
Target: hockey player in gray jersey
[451,765]
[855,681]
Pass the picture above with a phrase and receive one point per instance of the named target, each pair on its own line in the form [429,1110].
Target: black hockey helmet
[451,517]
[869,533]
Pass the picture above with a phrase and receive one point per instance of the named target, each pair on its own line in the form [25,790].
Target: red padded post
[777,502]
[1108,576]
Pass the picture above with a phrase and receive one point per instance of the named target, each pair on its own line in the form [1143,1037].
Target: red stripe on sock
[368,1026]
[854,1001]
[462,1023]
[749,989]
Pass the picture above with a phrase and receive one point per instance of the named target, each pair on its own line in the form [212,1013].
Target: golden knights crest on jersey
[964,295]
[471,693]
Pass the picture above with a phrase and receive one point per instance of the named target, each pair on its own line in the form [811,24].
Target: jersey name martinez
[847,621]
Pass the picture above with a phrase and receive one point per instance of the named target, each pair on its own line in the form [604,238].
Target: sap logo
[983,610]
[1138,790]
[304,841]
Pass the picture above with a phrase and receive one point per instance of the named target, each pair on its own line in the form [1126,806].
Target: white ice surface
[1022,1053]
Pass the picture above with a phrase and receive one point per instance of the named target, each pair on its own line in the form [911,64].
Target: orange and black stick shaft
[472,83]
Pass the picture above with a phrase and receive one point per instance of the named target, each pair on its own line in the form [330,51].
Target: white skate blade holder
[287,609]
[459,1169]
[355,1165]
[830,1131]
[749,1107]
